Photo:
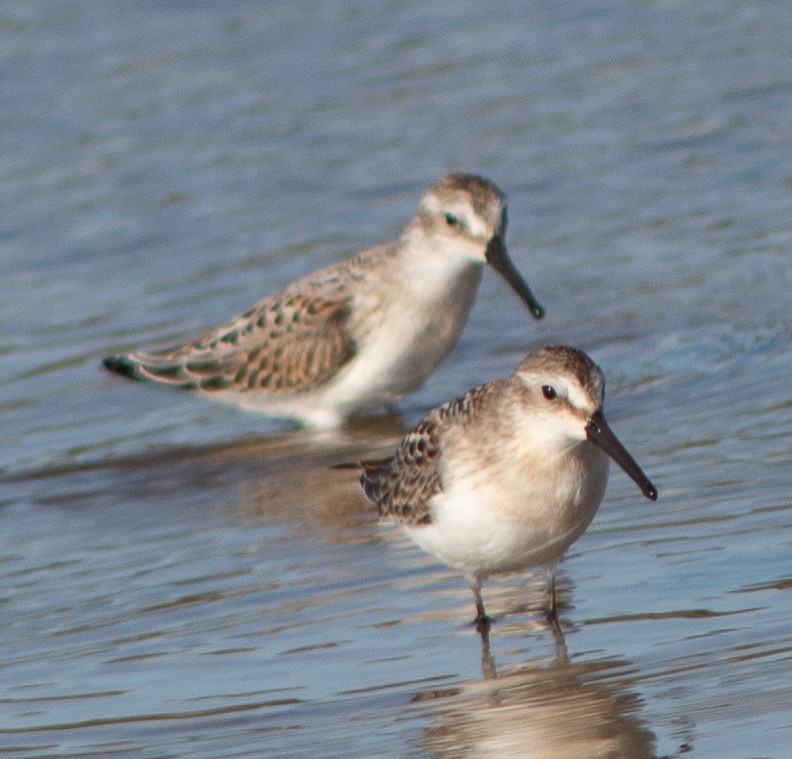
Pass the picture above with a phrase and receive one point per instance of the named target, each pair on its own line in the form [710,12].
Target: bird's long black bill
[598,432]
[498,258]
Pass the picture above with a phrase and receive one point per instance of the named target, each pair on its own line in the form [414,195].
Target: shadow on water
[276,471]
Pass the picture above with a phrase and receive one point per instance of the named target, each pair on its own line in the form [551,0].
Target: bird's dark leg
[552,618]
[488,670]
[551,610]
[482,620]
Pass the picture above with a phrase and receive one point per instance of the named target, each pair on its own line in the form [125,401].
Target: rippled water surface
[180,579]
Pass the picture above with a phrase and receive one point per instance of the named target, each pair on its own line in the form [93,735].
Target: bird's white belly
[487,530]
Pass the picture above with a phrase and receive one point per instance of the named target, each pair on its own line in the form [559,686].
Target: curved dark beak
[598,432]
[498,257]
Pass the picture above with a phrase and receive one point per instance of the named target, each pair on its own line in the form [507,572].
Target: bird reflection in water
[559,710]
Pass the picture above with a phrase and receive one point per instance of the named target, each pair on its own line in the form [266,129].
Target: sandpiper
[509,475]
[358,334]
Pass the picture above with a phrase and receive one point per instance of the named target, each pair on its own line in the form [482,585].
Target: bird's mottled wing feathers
[284,344]
[402,486]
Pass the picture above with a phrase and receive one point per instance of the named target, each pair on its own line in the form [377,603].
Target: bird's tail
[170,370]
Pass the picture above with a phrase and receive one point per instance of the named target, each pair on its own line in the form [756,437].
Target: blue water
[181,579]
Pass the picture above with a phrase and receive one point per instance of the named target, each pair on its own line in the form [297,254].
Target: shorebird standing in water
[509,475]
[358,334]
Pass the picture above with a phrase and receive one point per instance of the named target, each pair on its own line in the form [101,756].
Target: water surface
[180,579]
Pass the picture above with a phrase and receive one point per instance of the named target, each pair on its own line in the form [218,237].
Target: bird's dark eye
[451,220]
[549,392]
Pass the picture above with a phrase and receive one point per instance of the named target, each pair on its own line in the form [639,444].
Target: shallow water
[179,579]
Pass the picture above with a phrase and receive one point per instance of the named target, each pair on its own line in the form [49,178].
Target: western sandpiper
[509,475]
[358,334]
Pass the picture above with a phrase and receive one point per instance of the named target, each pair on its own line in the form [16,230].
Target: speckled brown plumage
[284,344]
[402,486]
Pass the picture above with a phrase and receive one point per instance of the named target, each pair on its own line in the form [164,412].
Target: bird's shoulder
[403,485]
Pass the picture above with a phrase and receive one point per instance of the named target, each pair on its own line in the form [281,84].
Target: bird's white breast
[497,519]
[407,332]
